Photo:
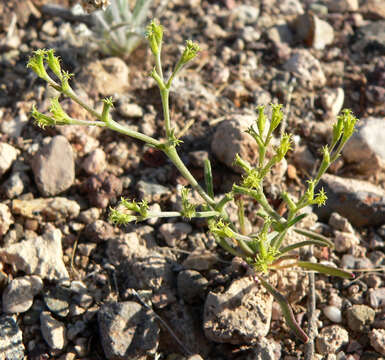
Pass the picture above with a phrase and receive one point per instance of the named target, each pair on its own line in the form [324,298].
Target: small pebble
[333,314]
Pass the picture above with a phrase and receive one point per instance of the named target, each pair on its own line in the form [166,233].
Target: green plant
[262,251]
[118,30]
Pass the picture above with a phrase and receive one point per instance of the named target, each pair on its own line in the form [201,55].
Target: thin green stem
[113,125]
[71,94]
[176,160]
[164,93]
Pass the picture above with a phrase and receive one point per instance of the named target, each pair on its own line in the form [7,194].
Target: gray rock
[42,256]
[173,233]
[53,167]
[290,7]
[230,139]
[377,297]
[191,286]
[344,241]
[331,339]
[151,191]
[241,315]
[98,231]
[153,271]
[73,330]
[371,38]
[338,222]
[6,219]
[245,14]
[341,5]
[265,349]
[58,300]
[51,209]
[95,162]
[360,317]
[361,202]
[123,248]
[377,340]
[306,68]
[127,331]
[8,155]
[15,184]
[368,138]
[11,339]
[280,33]
[18,295]
[53,331]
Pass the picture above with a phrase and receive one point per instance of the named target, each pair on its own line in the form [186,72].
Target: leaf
[304,243]
[286,310]
[208,178]
[315,236]
[295,220]
[324,269]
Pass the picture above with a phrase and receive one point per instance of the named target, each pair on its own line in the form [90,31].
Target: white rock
[18,295]
[5,219]
[332,100]
[333,314]
[331,339]
[53,331]
[307,68]
[8,155]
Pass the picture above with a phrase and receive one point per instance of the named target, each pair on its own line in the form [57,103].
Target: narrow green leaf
[324,269]
[314,236]
[286,310]
[303,243]
[208,178]
[295,220]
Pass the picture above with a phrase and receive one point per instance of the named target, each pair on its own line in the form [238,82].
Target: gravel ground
[76,287]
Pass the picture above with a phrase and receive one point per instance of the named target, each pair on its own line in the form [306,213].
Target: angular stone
[53,167]
[241,315]
[95,162]
[18,295]
[306,68]
[8,155]
[42,256]
[361,202]
[51,209]
[53,331]
[127,331]
[360,317]
[230,139]
[313,31]
[370,159]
